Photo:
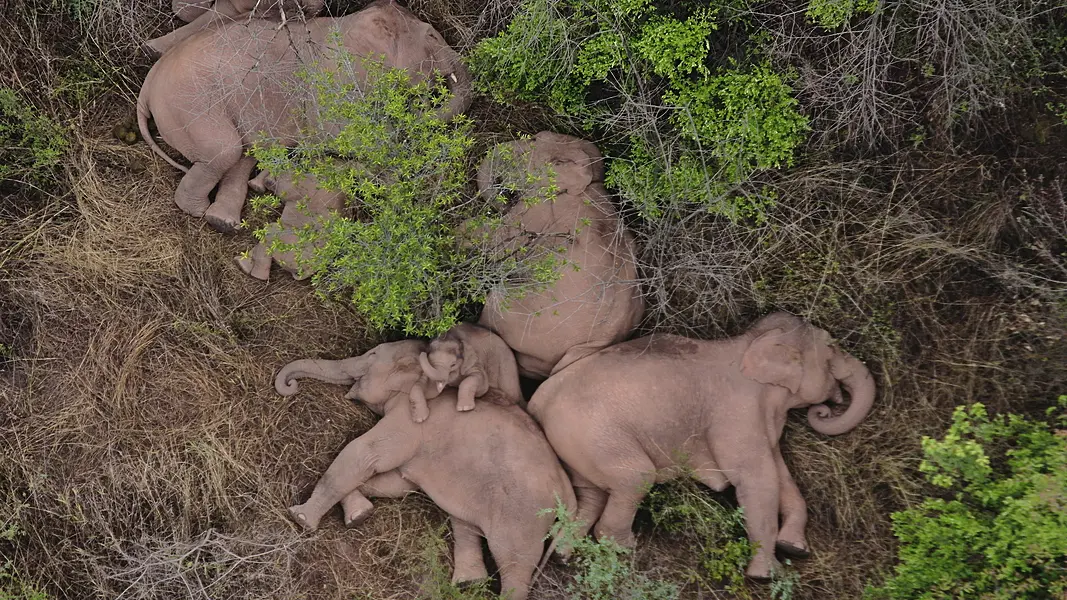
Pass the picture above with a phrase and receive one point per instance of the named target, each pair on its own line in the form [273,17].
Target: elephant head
[441,365]
[788,352]
[528,165]
[385,372]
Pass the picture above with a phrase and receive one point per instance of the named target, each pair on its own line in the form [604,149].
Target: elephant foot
[419,413]
[258,184]
[221,221]
[469,584]
[356,520]
[464,407]
[256,268]
[357,509]
[299,516]
[624,539]
[792,549]
[760,568]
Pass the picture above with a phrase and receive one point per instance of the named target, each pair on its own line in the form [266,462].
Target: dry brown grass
[145,454]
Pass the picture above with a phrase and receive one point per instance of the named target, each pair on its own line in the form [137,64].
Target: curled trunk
[430,371]
[859,384]
[330,371]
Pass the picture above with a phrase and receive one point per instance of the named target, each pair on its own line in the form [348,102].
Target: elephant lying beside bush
[305,205]
[472,359]
[204,14]
[632,414]
[490,469]
[597,301]
[218,91]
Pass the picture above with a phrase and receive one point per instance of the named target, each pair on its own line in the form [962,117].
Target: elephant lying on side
[490,469]
[630,415]
[305,205]
[590,307]
[217,92]
[472,359]
[203,14]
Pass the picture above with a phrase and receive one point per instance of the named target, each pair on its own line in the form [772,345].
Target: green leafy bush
[404,169]
[632,72]
[831,14]
[31,144]
[1002,532]
[603,570]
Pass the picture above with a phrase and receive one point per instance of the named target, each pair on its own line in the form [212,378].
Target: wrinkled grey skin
[473,360]
[588,308]
[204,14]
[491,469]
[220,90]
[305,205]
[644,410]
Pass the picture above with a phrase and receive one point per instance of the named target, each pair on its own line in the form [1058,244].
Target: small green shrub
[435,577]
[404,169]
[633,72]
[14,587]
[31,144]
[1002,533]
[603,570]
[831,14]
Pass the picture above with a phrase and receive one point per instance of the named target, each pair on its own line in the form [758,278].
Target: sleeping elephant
[597,300]
[203,14]
[226,87]
[305,205]
[473,360]
[632,414]
[490,469]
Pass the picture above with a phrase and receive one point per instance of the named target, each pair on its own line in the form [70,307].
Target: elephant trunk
[859,384]
[431,371]
[330,371]
[459,82]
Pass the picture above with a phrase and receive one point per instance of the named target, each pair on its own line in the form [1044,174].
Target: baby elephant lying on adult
[214,94]
[491,469]
[590,307]
[473,360]
[631,414]
[203,14]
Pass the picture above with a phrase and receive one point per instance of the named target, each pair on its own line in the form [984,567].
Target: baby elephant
[472,359]
[632,414]
[305,206]
[491,469]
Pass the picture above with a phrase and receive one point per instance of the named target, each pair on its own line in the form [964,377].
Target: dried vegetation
[144,453]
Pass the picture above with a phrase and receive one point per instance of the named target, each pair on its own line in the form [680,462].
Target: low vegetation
[892,171]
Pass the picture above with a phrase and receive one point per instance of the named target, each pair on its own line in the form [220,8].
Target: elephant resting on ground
[217,92]
[204,14]
[305,205]
[632,414]
[590,307]
[473,360]
[490,469]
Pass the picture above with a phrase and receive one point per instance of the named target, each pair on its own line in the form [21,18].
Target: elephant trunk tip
[858,382]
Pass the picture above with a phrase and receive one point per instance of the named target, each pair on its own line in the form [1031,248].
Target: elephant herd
[610,418]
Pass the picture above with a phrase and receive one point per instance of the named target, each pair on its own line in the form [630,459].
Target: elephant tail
[329,371]
[142,124]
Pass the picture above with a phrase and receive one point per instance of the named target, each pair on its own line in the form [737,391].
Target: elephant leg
[467,552]
[188,10]
[225,150]
[794,511]
[591,501]
[208,18]
[467,389]
[257,263]
[225,213]
[378,451]
[357,506]
[755,477]
[517,559]
[626,493]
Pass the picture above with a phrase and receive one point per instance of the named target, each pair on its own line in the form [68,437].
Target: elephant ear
[769,359]
[573,166]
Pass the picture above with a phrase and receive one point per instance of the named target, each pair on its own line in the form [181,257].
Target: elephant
[205,14]
[222,89]
[656,407]
[473,360]
[597,300]
[491,469]
[305,205]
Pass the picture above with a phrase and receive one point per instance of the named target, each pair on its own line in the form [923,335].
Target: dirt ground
[145,454]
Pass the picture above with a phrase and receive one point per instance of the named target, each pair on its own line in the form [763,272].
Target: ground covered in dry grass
[145,454]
